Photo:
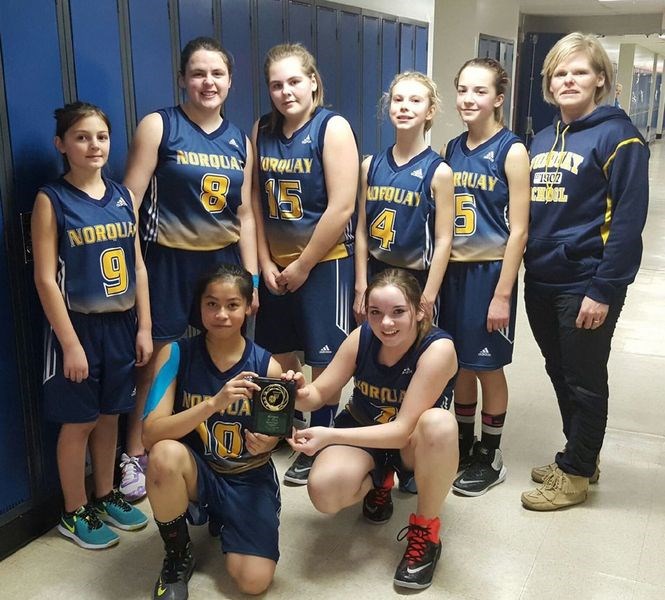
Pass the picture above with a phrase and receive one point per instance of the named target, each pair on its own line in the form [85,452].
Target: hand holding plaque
[273,406]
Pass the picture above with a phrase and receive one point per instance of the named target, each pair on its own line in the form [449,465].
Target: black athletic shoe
[416,569]
[485,471]
[298,472]
[466,456]
[176,572]
[378,502]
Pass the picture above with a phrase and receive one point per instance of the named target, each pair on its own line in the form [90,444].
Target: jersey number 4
[382,228]
[465,214]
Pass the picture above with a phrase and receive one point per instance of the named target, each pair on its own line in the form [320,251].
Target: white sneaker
[132,485]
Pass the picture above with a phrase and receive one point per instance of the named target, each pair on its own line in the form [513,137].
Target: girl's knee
[436,427]
[251,574]
[167,458]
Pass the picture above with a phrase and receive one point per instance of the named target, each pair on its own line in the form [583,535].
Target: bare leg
[103,442]
[72,443]
[495,391]
[252,574]
[466,390]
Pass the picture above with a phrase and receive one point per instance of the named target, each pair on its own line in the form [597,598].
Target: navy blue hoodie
[589,200]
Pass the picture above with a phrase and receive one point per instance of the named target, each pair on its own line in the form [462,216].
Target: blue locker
[195,20]
[389,68]
[326,53]
[151,56]
[407,50]
[237,39]
[421,49]
[96,43]
[270,33]
[300,23]
[371,85]
[351,88]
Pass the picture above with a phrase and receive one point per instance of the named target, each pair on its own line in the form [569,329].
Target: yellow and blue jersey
[219,440]
[193,197]
[481,228]
[96,269]
[378,390]
[293,189]
[400,209]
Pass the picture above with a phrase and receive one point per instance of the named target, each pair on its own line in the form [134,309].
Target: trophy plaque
[273,406]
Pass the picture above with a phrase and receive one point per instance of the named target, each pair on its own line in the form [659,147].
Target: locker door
[371,97]
[237,39]
[97,62]
[151,56]
[421,49]
[326,53]
[195,20]
[350,84]
[270,33]
[389,68]
[407,50]
[300,23]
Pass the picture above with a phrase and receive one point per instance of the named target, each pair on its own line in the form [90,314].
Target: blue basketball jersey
[96,253]
[378,390]
[481,197]
[400,209]
[193,197]
[293,189]
[220,440]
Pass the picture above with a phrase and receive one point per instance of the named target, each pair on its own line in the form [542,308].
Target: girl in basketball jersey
[307,177]
[405,209]
[400,365]
[92,285]
[202,454]
[491,177]
[191,169]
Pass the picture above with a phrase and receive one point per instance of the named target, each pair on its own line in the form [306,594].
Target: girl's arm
[340,169]
[45,247]
[435,368]
[444,216]
[247,241]
[144,321]
[517,172]
[161,424]
[335,376]
[143,155]
[269,269]
[361,251]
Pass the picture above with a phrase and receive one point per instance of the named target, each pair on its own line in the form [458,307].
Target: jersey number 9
[114,271]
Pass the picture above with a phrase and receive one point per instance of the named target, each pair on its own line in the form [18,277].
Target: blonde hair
[308,63]
[428,82]
[572,44]
[501,80]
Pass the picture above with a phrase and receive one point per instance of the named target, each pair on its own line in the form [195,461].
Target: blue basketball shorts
[246,505]
[315,318]
[109,342]
[466,293]
[173,275]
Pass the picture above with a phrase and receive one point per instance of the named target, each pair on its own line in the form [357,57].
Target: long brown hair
[501,80]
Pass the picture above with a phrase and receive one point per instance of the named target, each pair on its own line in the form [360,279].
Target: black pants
[576,362]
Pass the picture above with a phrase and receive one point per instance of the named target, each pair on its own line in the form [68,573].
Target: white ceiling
[591,7]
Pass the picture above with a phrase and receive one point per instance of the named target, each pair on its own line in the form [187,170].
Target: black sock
[466,420]
[175,534]
[492,429]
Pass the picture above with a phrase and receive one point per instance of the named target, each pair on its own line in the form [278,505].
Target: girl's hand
[270,274]
[302,391]
[427,304]
[75,363]
[291,278]
[255,301]
[310,441]
[359,307]
[241,387]
[498,315]
[259,443]
[143,348]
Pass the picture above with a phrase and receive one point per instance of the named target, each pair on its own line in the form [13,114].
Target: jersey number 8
[213,192]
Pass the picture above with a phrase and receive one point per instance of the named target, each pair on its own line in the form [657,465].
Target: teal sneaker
[85,528]
[114,509]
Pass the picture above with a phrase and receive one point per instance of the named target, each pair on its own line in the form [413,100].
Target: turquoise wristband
[255,281]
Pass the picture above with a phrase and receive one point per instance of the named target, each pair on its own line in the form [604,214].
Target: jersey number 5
[284,200]
[114,271]
[465,214]
[382,228]
[213,192]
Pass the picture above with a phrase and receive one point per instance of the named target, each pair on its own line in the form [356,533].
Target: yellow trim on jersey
[338,251]
[634,140]
[605,227]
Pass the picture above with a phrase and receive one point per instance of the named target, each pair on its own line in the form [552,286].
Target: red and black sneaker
[378,502]
[416,568]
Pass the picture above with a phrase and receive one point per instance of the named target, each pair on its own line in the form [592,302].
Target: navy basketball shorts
[375,266]
[315,318]
[173,275]
[246,505]
[383,459]
[466,293]
[109,342]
